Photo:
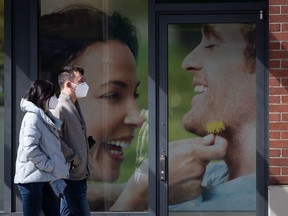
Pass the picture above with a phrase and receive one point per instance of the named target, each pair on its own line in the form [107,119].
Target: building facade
[181,63]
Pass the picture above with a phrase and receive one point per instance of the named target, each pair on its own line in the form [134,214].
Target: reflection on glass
[212,117]
[142,141]
[1,102]
[112,50]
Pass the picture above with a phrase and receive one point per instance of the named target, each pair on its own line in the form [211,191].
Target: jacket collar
[63,97]
[48,118]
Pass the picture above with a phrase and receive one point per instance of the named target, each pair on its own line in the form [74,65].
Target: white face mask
[52,102]
[82,90]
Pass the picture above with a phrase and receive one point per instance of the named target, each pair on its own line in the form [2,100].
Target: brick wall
[278,92]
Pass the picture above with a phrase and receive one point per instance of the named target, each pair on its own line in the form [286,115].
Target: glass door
[212,80]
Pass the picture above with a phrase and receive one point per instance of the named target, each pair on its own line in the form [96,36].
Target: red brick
[279,73]
[274,170]
[284,82]
[284,45]
[278,126]
[274,45]
[274,82]
[278,108]
[278,144]
[274,99]
[278,180]
[282,36]
[274,27]
[284,9]
[284,135]
[278,162]
[278,2]
[272,37]
[275,117]
[285,153]
[274,9]
[284,117]
[274,153]
[284,170]
[284,63]
[278,54]
[284,98]
[278,91]
[284,26]
[274,64]
[278,18]
[274,135]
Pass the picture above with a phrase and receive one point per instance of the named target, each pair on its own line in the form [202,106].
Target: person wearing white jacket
[39,157]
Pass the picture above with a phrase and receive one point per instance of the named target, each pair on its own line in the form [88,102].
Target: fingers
[216,151]
[210,147]
[208,139]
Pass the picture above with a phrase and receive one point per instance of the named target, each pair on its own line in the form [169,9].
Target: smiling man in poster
[223,112]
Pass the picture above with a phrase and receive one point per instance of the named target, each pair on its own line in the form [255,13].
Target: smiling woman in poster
[76,36]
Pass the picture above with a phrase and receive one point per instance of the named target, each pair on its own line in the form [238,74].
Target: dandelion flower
[215,127]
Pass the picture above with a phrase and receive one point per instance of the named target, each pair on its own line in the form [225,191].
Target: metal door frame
[160,16]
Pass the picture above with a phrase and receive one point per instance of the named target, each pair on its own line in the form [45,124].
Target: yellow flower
[215,127]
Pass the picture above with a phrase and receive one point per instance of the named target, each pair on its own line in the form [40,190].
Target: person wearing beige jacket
[75,144]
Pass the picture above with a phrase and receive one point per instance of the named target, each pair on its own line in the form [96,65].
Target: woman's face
[110,108]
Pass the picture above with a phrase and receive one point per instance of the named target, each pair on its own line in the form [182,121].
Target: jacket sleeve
[31,150]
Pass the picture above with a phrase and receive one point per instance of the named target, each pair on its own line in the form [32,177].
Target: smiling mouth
[115,149]
[200,89]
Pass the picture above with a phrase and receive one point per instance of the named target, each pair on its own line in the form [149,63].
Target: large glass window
[1,101]
[212,117]
[110,42]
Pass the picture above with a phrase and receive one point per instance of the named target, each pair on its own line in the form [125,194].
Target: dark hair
[249,34]
[39,92]
[68,73]
[65,34]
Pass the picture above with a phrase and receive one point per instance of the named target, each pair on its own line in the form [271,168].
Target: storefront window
[109,40]
[1,101]
[211,112]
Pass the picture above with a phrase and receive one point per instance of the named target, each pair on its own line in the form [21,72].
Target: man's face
[78,78]
[224,86]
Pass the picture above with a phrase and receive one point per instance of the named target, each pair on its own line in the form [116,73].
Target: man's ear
[67,84]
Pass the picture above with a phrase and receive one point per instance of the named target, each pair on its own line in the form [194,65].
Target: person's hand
[134,196]
[187,164]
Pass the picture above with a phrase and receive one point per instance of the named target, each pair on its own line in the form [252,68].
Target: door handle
[162,169]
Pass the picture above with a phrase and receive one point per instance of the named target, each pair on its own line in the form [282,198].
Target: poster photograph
[108,39]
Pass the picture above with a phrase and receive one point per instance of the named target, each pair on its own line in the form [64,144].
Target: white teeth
[200,89]
[120,143]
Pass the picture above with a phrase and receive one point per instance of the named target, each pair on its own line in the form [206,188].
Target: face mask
[52,102]
[82,90]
